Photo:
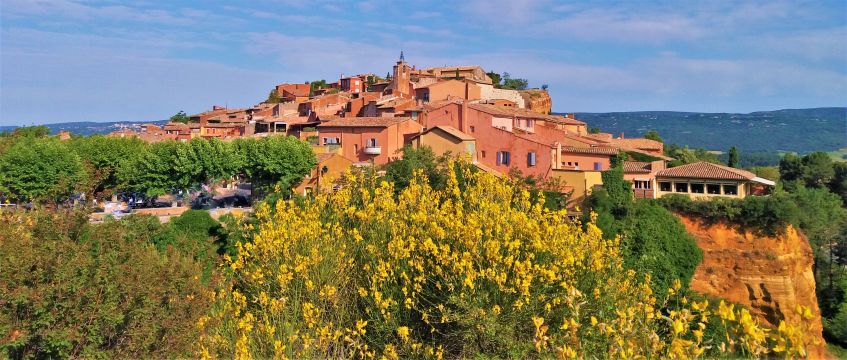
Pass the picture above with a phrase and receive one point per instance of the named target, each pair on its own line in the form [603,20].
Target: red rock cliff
[768,275]
[537,100]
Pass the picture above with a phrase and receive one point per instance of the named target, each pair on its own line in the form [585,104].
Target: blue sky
[108,60]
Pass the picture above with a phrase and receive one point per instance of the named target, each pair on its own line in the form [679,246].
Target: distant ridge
[90,127]
[798,130]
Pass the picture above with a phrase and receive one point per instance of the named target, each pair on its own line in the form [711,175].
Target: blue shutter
[598,166]
[499,158]
[506,157]
[531,159]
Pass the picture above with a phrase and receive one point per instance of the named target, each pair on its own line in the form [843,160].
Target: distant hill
[798,130]
[91,128]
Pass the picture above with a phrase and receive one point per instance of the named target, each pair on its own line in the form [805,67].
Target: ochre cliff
[769,275]
[537,100]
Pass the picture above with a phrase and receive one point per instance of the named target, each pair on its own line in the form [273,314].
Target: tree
[514,84]
[653,135]
[593,130]
[733,157]
[275,161]
[31,131]
[180,117]
[102,157]
[35,169]
[544,87]
[273,97]
[818,169]
[157,171]
[401,172]
[495,78]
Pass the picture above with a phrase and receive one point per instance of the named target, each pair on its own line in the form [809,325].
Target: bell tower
[401,79]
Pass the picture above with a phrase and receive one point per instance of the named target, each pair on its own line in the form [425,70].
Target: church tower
[401,84]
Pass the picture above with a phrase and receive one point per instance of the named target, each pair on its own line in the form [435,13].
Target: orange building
[448,89]
[330,167]
[368,139]
[293,92]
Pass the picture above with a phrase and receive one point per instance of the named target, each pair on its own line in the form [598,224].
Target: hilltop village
[365,120]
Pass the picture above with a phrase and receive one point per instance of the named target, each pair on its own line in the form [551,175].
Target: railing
[373,150]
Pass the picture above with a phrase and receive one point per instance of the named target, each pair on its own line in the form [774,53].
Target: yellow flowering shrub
[476,268]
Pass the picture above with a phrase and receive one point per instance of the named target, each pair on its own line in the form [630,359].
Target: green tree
[653,135]
[275,161]
[495,78]
[39,169]
[401,172]
[102,157]
[514,84]
[733,157]
[273,97]
[818,169]
[180,117]
[157,171]
[594,130]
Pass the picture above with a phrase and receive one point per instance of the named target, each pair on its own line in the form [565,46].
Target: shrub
[93,291]
[483,272]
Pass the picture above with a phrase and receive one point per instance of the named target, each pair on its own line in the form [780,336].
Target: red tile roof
[522,113]
[705,170]
[363,121]
[636,167]
[595,150]
[453,131]
[636,143]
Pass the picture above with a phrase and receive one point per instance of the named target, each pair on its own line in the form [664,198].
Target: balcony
[373,150]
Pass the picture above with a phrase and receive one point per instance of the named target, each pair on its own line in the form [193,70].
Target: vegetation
[801,130]
[732,158]
[474,270]
[273,97]
[505,81]
[653,135]
[40,169]
[180,117]
[70,289]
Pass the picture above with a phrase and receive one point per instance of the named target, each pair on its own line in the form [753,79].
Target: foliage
[550,189]
[496,79]
[102,157]
[275,161]
[273,97]
[180,117]
[653,135]
[74,290]
[766,172]
[38,169]
[483,272]
[156,171]
[796,130]
[685,155]
[593,130]
[514,84]
[769,215]
[401,172]
[732,158]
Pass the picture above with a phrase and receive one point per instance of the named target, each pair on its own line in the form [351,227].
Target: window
[598,166]
[713,189]
[472,128]
[503,158]
[355,147]
[530,123]
[530,159]
[332,141]
[482,153]
[372,143]
[664,186]
[681,187]
[697,188]
[642,184]
[730,189]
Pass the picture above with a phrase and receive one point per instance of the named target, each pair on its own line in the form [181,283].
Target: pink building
[533,143]
[368,139]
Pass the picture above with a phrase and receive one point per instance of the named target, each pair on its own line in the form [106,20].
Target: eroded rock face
[768,275]
[537,100]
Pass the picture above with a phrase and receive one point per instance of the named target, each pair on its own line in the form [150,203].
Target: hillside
[799,130]
[90,128]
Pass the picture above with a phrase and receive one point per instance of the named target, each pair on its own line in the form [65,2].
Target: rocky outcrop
[537,100]
[769,275]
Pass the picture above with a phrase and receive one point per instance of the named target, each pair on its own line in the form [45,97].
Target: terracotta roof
[595,150]
[453,131]
[706,170]
[363,121]
[636,143]
[175,126]
[523,113]
[225,125]
[636,167]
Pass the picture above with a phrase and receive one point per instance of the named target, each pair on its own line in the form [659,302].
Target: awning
[763,181]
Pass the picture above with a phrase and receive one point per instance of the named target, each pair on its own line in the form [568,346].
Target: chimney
[621,136]
[463,117]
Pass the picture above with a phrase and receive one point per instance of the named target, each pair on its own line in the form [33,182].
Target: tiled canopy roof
[363,121]
[636,167]
[705,170]
[517,112]
[597,150]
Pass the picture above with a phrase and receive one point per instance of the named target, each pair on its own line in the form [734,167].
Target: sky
[109,60]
